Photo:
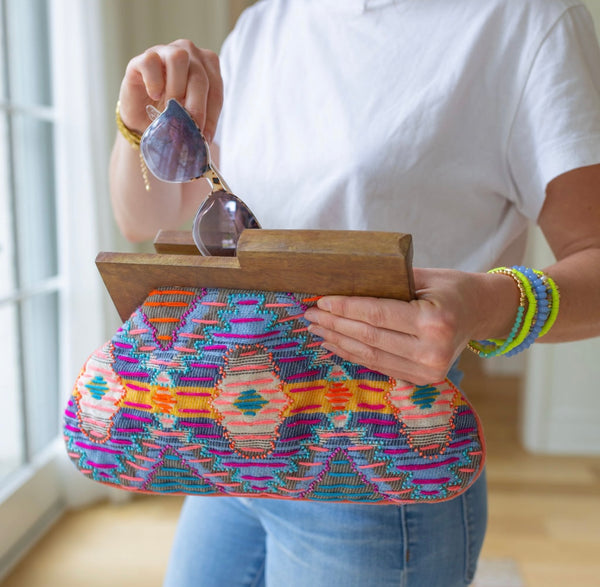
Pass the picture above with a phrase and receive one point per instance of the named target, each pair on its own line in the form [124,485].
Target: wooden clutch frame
[359,263]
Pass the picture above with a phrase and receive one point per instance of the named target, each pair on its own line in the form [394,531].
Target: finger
[204,95]
[214,100]
[150,66]
[378,360]
[384,313]
[340,331]
[176,62]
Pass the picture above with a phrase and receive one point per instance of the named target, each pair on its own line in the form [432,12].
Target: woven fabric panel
[225,392]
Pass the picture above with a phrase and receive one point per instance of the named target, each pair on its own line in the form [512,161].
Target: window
[53,160]
[30,280]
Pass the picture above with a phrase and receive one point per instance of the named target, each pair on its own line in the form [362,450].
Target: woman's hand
[417,341]
[178,70]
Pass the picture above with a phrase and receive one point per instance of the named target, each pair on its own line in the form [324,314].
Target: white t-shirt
[442,118]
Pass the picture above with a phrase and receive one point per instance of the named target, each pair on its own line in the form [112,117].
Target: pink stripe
[100,408]
[138,331]
[137,418]
[246,336]
[425,466]
[250,382]
[127,359]
[428,431]
[195,424]
[293,438]
[249,368]
[123,345]
[369,388]
[260,465]
[368,371]
[204,365]
[133,374]
[70,414]
[292,359]
[376,421]
[254,423]
[102,465]
[245,320]
[136,387]
[195,379]
[216,347]
[165,363]
[72,428]
[192,394]
[248,302]
[301,389]
[372,406]
[183,349]
[287,345]
[100,448]
[129,478]
[134,405]
[301,375]
[417,416]
[289,453]
[138,467]
[303,422]
[306,408]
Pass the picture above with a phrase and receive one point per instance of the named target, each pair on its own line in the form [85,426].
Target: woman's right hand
[178,70]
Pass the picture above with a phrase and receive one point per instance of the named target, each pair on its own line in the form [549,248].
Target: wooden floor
[544,517]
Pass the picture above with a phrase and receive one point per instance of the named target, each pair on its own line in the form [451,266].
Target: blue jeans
[235,542]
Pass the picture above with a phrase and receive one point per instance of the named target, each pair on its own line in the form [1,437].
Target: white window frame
[40,491]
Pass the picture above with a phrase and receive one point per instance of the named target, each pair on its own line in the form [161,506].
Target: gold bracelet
[134,139]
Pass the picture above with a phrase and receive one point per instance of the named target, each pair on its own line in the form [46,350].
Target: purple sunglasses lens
[173,147]
[219,224]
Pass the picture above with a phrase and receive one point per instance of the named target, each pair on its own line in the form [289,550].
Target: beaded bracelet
[134,139]
[541,294]
[554,294]
[542,310]
[493,347]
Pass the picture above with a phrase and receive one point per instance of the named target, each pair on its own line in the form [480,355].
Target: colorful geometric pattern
[225,392]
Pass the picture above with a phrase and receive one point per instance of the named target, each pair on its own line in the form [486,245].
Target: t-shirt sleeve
[557,123]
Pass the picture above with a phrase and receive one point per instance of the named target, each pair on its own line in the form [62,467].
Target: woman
[459,122]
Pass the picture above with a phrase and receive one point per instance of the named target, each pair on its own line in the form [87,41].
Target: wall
[562,383]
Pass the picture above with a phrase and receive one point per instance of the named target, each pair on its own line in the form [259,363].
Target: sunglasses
[175,151]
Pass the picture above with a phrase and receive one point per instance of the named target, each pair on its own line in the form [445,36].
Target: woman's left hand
[417,341]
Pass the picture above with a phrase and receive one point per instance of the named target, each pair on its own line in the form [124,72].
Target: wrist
[499,299]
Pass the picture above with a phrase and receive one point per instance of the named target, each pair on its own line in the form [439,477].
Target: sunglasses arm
[216,181]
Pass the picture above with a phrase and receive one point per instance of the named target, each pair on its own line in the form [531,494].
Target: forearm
[578,279]
[139,213]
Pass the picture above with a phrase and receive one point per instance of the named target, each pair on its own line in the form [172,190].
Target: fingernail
[311,315]
[324,304]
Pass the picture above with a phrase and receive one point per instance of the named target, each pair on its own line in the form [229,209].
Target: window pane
[35,199]
[7,270]
[41,366]
[28,52]
[11,430]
